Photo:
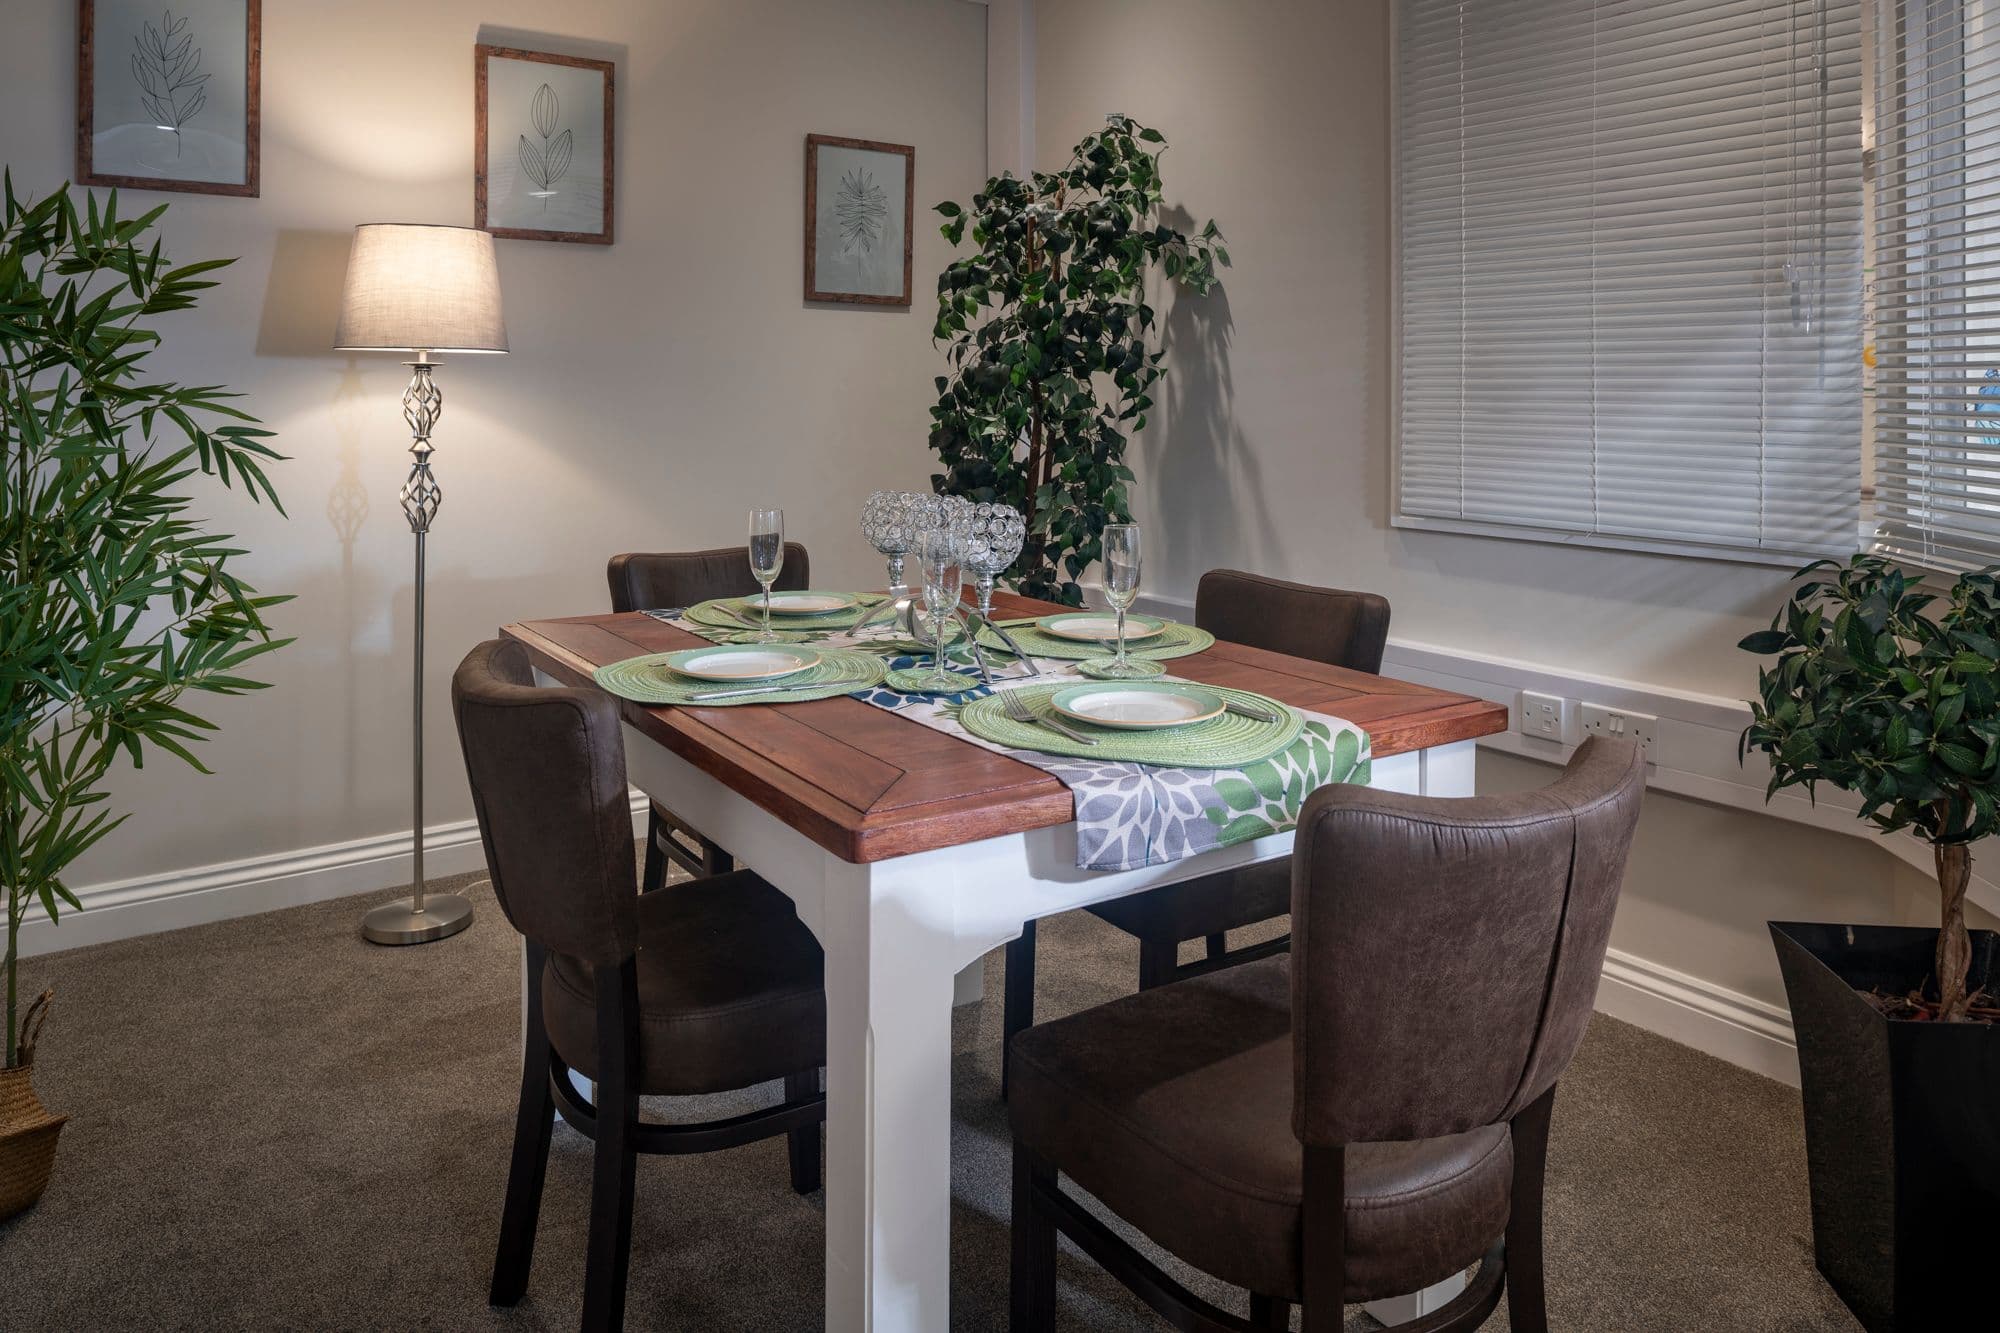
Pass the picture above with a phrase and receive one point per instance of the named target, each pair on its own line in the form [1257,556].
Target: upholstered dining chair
[1365,1117]
[1345,629]
[712,987]
[655,581]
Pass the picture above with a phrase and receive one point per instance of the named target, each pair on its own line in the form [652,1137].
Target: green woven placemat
[714,614]
[1229,741]
[648,680]
[1176,640]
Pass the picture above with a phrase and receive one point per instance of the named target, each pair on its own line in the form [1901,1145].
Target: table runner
[1130,815]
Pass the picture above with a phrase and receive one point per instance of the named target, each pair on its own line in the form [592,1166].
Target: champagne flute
[944,581]
[767,558]
[1121,585]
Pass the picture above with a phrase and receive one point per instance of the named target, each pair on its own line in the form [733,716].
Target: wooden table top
[867,785]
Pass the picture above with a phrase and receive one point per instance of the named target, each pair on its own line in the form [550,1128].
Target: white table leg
[890,960]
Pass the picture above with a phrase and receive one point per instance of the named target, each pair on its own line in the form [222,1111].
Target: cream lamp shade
[416,288]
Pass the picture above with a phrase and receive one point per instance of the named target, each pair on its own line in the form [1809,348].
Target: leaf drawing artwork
[167,66]
[547,162]
[861,211]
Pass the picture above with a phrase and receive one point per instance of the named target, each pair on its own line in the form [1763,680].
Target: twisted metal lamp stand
[423,916]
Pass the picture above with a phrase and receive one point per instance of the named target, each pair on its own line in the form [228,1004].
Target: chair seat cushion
[1174,1108]
[729,990]
[1197,907]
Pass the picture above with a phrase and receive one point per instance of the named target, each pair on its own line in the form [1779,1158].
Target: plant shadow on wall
[1048,337]
[1206,483]
[117,603]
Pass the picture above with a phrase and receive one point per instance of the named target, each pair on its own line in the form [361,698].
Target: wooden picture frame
[860,267]
[500,190]
[164,84]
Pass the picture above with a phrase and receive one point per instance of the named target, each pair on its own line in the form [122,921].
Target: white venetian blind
[1937,396]
[1630,266]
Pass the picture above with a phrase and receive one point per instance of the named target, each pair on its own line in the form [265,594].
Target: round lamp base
[443,914]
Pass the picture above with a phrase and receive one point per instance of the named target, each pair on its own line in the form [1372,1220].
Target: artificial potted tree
[1889,691]
[1048,335]
[116,602]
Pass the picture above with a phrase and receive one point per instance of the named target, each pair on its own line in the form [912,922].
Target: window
[1937,187]
[1630,272]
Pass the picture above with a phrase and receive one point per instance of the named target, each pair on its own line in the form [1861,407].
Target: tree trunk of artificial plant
[1954,946]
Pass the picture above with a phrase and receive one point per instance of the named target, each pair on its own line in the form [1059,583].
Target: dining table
[910,854]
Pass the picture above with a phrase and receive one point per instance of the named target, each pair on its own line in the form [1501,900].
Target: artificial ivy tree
[1047,327]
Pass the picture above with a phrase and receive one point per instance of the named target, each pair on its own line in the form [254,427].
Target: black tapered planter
[1902,1123]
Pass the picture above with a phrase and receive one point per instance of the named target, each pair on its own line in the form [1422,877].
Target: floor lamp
[420,289]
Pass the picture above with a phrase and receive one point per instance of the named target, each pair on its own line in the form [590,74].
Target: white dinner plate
[1099,626]
[1138,706]
[747,661]
[803,603]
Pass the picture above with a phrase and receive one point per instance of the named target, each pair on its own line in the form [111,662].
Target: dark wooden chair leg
[1032,1302]
[1324,1239]
[1158,960]
[655,873]
[802,1144]
[607,1256]
[715,859]
[533,1122]
[1269,1311]
[1018,1009]
[1218,945]
[1527,1301]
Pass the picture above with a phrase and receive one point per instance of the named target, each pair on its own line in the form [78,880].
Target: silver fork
[1017,708]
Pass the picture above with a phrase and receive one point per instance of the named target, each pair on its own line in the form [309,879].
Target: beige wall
[656,389]
[1272,449]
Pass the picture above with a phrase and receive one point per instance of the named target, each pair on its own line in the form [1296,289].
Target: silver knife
[739,691]
[1251,711]
[1012,646]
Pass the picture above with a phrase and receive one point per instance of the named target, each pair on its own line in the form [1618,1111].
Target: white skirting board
[149,904]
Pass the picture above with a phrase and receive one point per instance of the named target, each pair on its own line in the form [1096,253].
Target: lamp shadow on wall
[301,308]
[1208,483]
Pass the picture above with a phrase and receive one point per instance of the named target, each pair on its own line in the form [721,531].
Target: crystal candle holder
[992,543]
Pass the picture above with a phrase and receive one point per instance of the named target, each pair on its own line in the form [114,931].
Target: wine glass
[767,558]
[1121,586]
[944,580]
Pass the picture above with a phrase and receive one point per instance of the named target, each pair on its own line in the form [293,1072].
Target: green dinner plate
[1099,626]
[746,662]
[804,602]
[1152,705]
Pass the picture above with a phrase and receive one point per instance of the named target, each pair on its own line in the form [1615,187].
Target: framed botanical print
[167,94]
[542,145]
[858,201]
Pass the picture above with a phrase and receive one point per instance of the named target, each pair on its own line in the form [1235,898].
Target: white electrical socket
[1599,720]
[1545,716]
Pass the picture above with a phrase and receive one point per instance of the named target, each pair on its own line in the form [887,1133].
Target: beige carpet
[277,1126]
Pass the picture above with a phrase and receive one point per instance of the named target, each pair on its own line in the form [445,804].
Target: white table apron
[895,932]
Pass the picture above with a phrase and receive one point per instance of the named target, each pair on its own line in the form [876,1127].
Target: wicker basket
[28,1133]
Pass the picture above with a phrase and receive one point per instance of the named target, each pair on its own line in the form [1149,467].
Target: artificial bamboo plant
[1875,694]
[1048,330]
[115,600]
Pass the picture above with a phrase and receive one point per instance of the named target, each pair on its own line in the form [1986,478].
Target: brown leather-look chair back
[1344,629]
[654,581]
[1445,953]
[547,768]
